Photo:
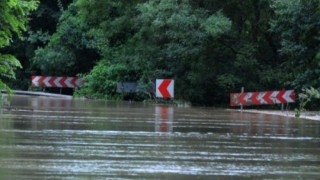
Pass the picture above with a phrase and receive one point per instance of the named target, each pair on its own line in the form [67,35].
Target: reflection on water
[45,138]
[6,139]
[261,124]
[164,119]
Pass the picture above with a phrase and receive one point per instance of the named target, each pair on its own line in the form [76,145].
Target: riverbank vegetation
[210,47]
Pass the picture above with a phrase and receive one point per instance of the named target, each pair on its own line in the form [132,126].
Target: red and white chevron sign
[260,98]
[165,88]
[60,82]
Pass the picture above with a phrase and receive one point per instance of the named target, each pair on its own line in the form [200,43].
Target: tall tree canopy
[42,24]
[13,19]
[298,24]
[209,47]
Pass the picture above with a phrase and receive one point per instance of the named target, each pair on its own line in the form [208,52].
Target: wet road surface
[45,138]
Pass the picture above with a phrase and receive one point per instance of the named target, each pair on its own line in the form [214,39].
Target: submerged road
[50,138]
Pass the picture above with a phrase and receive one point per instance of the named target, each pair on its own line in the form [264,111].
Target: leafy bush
[102,81]
[307,95]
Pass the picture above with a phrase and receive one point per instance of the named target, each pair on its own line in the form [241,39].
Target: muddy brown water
[48,138]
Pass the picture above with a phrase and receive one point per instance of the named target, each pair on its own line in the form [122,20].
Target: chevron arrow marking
[41,79]
[62,81]
[53,81]
[254,98]
[165,88]
[280,97]
[267,97]
[57,81]
[73,81]
[289,96]
[260,98]
[35,81]
[233,99]
[68,82]
[46,81]
[241,99]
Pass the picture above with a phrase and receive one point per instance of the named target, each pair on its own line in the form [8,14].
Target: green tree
[297,22]
[155,39]
[210,47]
[42,24]
[67,52]
[13,18]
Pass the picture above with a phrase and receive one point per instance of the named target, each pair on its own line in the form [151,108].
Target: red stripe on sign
[54,81]
[163,88]
[62,80]
[280,96]
[41,81]
[32,84]
[254,99]
[293,96]
[259,98]
[73,82]
[267,97]
[232,100]
[242,100]
[51,81]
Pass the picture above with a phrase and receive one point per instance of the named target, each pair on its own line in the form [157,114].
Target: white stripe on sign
[287,96]
[46,81]
[260,98]
[56,82]
[274,96]
[35,81]
[79,82]
[68,82]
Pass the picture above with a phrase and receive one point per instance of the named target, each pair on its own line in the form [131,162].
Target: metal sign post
[242,90]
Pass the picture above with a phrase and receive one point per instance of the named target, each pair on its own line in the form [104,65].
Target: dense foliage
[210,47]
[298,24]
[42,24]
[13,19]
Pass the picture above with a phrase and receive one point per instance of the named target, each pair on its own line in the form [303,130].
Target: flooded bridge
[50,138]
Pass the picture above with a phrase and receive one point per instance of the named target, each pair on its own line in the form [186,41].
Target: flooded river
[46,138]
